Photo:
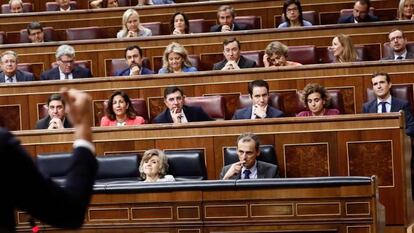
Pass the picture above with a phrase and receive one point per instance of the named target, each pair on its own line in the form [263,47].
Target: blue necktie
[246,174]
[383,107]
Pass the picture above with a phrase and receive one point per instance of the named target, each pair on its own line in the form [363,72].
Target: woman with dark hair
[179,24]
[120,111]
[316,99]
[292,12]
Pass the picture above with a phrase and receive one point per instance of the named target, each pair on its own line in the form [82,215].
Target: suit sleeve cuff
[83,143]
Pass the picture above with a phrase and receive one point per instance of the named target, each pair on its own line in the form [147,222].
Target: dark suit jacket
[77,72]
[396,105]
[44,123]
[21,76]
[25,188]
[350,19]
[243,63]
[409,55]
[264,170]
[236,27]
[192,114]
[246,113]
[125,72]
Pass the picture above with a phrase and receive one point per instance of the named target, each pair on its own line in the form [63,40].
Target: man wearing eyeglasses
[177,111]
[66,69]
[398,43]
[10,73]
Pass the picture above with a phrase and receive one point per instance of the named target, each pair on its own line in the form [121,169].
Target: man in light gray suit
[248,166]
[10,73]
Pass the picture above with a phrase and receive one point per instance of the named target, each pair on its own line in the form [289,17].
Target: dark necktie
[384,107]
[246,174]
[66,76]
[10,79]
[400,57]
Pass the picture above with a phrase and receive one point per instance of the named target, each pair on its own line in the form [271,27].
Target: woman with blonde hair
[131,26]
[406,10]
[343,49]
[316,100]
[175,60]
[154,167]
[276,55]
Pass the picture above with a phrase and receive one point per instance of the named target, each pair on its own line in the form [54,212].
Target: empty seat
[252,22]
[54,165]
[49,35]
[27,7]
[53,6]
[117,169]
[86,33]
[400,91]
[256,56]
[267,154]
[2,37]
[305,54]
[214,106]
[154,26]
[198,26]
[112,65]
[186,164]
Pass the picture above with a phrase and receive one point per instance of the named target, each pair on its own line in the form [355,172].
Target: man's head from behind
[35,32]
[361,10]
[381,84]
[16,6]
[65,57]
[259,92]
[226,15]
[9,63]
[248,149]
[174,98]
[231,49]
[56,106]
[133,55]
[398,41]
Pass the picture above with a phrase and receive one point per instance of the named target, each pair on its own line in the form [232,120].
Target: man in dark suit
[26,189]
[360,13]
[176,111]
[133,56]
[35,32]
[384,102]
[232,58]
[10,73]
[248,166]
[259,94]
[56,117]
[66,69]
[398,43]
[225,17]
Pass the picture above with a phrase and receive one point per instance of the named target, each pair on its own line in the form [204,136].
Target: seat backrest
[214,106]
[256,56]
[2,37]
[400,91]
[139,105]
[86,33]
[49,35]
[27,7]
[305,54]
[112,65]
[54,164]
[336,102]
[198,26]
[53,6]
[118,166]
[348,12]
[267,154]
[186,164]
[275,100]
[387,50]
[251,21]
[154,26]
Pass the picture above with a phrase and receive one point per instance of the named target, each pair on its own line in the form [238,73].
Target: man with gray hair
[9,72]
[66,69]
[248,167]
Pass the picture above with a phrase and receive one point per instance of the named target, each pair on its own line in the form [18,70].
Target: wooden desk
[308,205]
[346,145]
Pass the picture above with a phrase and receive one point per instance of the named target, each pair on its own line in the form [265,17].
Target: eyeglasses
[68,62]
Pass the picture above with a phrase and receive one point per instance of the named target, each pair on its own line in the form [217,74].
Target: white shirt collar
[62,75]
[404,55]
[14,79]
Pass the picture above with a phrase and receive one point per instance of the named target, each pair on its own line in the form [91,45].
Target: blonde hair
[163,162]
[277,48]
[401,9]
[349,53]
[175,47]
[128,13]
